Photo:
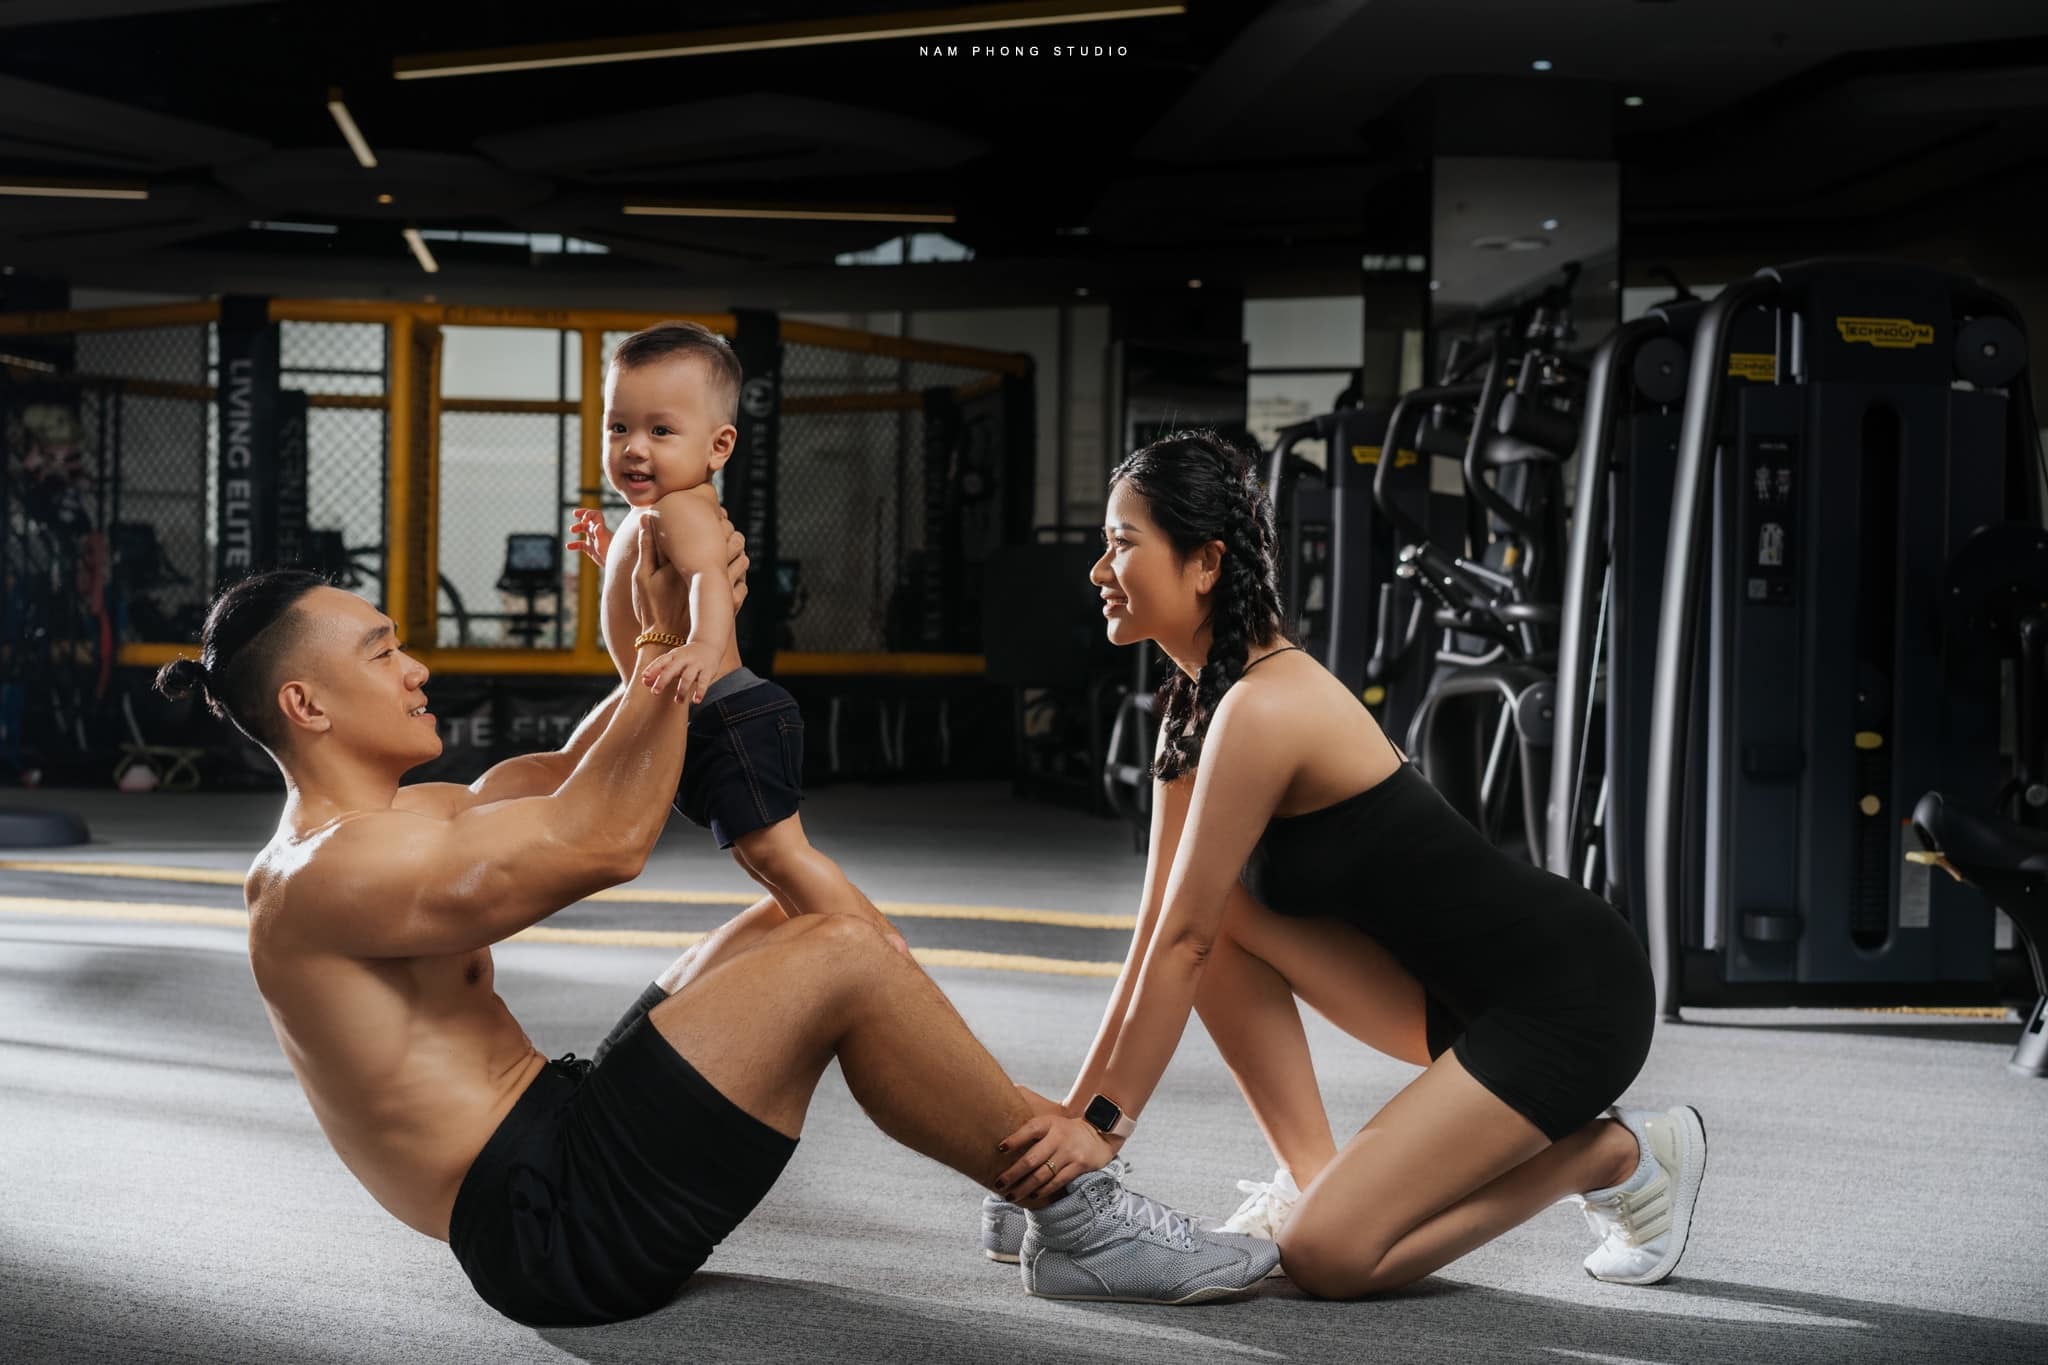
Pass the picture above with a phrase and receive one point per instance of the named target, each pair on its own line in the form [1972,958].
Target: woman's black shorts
[1539,987]
[1561,1061]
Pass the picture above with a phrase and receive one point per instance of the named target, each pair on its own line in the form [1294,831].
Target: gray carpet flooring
[1877,1192]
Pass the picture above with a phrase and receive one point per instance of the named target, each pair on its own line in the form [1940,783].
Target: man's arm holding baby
[394,884]
[539,774]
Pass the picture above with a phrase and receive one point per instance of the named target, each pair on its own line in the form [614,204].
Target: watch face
[1102,1113]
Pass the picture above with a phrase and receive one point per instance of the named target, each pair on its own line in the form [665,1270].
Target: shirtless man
[569,1192]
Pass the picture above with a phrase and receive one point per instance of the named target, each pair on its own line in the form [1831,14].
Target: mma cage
[427,457]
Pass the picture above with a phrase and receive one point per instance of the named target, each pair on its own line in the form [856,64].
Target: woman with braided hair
[1296,854]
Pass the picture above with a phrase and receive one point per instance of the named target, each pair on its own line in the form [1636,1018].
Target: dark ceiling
[1263,146]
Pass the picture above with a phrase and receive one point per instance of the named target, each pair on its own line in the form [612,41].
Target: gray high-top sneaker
[1101,1241]
[1002,1223]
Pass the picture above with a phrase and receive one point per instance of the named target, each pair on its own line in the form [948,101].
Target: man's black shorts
[744,767]
[607,1186]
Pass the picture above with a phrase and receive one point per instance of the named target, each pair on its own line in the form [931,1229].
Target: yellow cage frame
[412,462]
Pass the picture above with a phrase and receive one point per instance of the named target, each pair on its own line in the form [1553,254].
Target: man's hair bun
[180,678]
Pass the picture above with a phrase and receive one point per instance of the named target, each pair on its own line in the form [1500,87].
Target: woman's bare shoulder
[1284,680]
[1278,691]
[1294,712]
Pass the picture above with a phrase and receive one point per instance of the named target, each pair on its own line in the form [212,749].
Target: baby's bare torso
[621,626]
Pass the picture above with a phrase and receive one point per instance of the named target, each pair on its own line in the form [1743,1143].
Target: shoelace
[1263,1193]
[1603,1219]
[1615,1216]
[1139,1209]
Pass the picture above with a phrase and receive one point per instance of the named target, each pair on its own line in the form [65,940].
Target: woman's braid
[1245,602]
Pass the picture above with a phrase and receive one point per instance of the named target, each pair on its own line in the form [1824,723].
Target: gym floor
[1876,1191]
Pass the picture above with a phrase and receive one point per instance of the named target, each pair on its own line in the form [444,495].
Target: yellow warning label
[1371,455]
[1887,334]
[1757,366]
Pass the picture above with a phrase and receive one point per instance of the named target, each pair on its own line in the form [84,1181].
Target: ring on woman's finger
[1051,1168]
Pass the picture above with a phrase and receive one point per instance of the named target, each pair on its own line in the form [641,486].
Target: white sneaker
[1265,1212]
[1642,1223]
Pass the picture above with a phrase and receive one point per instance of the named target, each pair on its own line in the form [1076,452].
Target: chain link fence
[510,458]
[504,581]
[407,451]
[113,437]
[854,503]
[105,520]
[341,369]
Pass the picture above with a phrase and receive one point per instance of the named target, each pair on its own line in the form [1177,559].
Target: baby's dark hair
[1201,488]
[666,339]
[252,627]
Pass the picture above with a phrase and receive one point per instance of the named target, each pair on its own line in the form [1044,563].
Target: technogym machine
[1802,615]
[1998,590]
[1477,712]
[1613,577]
[1337,548]
[1607,635]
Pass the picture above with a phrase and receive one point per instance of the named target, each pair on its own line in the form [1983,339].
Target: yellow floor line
[1012,962]
[144,872]
[611,938]
[124,910]
[1002,914]
[625,895]
[161,913]
[1951,1011]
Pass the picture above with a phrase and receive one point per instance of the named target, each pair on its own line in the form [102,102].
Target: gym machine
[1815,510]
[1335,545]
[533,569]
[1473,700]
[1614,570]
[1997,590]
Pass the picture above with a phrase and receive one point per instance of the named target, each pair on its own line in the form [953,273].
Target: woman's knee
[1328,1264]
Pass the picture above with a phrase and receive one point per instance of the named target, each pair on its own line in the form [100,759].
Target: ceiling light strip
[72,189]
[763,37]
[420,252]
[812,214]
[353,135]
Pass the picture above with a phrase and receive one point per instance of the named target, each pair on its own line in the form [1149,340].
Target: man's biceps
[449,894]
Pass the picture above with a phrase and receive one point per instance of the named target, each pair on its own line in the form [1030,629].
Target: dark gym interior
[1643,392]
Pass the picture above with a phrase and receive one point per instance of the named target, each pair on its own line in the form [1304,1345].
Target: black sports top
[1476,926]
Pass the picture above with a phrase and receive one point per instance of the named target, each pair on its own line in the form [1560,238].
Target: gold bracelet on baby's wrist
[659,637]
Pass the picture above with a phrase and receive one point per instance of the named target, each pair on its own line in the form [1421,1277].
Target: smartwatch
[1106,1118]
